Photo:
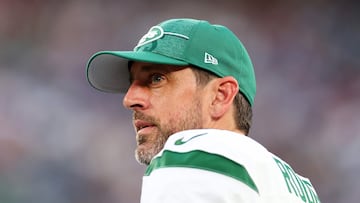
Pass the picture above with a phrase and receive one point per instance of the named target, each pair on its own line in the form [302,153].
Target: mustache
[143,117]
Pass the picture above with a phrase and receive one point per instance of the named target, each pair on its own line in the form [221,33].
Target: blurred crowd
[64,142]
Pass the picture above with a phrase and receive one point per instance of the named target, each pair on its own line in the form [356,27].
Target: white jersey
[218,166]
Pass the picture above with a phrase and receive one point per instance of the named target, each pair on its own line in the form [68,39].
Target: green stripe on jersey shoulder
[202,160]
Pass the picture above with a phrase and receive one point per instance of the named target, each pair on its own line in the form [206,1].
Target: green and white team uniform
[218,166]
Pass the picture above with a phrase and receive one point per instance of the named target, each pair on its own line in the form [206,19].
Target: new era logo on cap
[210,59]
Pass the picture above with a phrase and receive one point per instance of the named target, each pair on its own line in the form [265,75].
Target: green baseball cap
[181,42]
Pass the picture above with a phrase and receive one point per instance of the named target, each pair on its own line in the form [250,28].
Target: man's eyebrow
[148,68]
[153,67]
[161,68]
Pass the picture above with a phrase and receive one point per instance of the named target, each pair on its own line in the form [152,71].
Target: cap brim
[108,70]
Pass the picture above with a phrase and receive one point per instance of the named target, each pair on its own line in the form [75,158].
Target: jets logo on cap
[155,33]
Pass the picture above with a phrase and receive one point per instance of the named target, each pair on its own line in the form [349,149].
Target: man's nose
[136,97]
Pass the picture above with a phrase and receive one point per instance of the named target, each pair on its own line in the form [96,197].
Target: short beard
[190,118]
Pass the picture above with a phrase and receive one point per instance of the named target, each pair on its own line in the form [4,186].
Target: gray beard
[192,119]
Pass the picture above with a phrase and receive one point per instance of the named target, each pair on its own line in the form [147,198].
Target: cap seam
[193,32]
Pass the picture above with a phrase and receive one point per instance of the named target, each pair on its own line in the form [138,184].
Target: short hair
[243,111]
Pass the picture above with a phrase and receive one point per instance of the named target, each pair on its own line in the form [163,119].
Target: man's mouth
[142,126]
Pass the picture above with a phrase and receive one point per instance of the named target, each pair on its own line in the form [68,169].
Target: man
[191,90]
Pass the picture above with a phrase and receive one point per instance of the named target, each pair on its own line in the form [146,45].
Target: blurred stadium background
[63,142]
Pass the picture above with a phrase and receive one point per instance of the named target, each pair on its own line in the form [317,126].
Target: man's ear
[225,89]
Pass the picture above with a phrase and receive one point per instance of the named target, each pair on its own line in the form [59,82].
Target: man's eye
[156,78]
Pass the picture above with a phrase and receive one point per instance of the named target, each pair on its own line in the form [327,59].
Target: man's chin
[144,154]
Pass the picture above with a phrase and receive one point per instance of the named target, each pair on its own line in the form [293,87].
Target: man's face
[164,100]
